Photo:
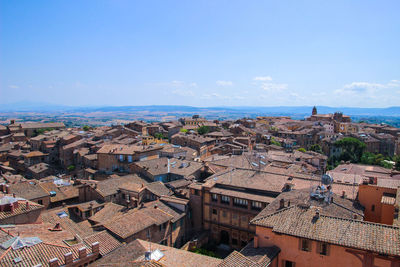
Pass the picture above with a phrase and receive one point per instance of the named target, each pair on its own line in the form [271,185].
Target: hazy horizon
[202,54]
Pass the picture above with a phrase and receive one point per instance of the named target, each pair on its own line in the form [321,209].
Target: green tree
[396,159]
[302,149]
[316,148]
[203,130]
[352,149]
[183,130]
[159,135]
[86,128]
[70,168]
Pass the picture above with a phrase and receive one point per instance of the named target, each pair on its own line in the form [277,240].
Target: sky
[200,53]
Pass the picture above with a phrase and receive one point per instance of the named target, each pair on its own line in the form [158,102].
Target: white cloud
[274,86]
[366,87]
[183,92]
[224,83]
[262,78]
[13,86]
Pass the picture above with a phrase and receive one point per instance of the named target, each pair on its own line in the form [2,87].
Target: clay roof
[42,125]
[41,253]
[126,149]
[158,189]
[107,213]
[340,207]
[108,243]
[136,220]
[62,192]
[82,229]
[28,190]
[110,186]
[38,168]
[34,154]
[251,257]
[164,165]
[21,209]
[301,221]
[132,254]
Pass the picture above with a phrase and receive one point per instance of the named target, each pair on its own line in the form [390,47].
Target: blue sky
[201,53]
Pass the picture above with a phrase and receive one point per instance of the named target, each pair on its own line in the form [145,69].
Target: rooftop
[301,221]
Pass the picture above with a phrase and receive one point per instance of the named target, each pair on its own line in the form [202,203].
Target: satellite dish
[326,179]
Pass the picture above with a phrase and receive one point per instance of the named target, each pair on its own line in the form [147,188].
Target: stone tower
[314,110]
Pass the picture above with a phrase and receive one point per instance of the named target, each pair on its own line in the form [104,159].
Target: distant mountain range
[297,111]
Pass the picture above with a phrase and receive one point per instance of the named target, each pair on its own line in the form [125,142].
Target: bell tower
[314,110]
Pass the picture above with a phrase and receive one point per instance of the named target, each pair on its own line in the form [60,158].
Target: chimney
[343,194]
[12,207]
[53,262]
[155,206]
[7,189]
[317,213]
[68,258]
[256,241]
[13,195]
[282,203]
[96,248]
[27,205]
[82,253]
[288,204]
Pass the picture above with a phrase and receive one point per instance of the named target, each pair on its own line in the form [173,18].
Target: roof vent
[17,260]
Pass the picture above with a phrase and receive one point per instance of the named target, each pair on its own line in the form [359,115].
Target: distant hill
[295,111]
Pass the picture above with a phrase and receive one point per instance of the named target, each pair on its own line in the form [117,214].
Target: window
[214,197]
[240,202]
[224,214]
[234,216]
[244,243]
[373,208]
[234,241]
[225,199]
[130,159]
[214,211]
[305,245]
[288,263]
[40,202]
[121,157]
[256,205]
[323,249]
[196,192]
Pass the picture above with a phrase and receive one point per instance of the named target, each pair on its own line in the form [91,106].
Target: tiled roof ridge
[326,216]
[56,245]
[94,234]
[164,212]
[241,255]
[271,214]
[2,229]
[5,253]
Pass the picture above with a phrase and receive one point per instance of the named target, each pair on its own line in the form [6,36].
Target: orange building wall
[290,250]
[369,195]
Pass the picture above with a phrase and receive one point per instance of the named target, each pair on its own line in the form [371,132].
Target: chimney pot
[96,248]
[68,258]
[27,205]
[82,253]
[282,203]
[317,213]
[53,262]
[343,194]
